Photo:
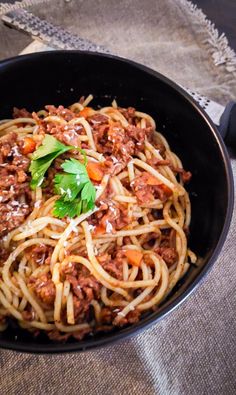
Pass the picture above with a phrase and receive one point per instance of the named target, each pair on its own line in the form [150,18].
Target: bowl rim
[59,348]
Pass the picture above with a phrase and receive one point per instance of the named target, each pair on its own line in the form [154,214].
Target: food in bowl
[94,219]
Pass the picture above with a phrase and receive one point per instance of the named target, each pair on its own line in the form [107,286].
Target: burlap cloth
[193,350]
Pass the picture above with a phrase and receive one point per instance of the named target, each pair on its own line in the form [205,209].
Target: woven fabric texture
[193,350]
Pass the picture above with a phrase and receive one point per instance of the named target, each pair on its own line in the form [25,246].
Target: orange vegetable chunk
[134,257]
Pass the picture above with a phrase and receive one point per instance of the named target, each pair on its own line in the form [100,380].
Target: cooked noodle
[106,266]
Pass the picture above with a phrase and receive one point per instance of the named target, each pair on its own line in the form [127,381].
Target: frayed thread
[217,45]
[7,7]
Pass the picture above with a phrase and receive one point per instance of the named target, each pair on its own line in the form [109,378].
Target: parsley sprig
[77,191]
[43,157]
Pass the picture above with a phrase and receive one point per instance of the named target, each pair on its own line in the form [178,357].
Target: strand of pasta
[87,264]
[147,117]
[156,154]
[13,256]
[176,274]
[161,291]
[103,273]
[15,122]
[11,309]
[76,236]
[38,225]
[66,234]
[175,188]
[109,302]
[97,310]
[87,129]
[135,302]
[25,291]
[131,232]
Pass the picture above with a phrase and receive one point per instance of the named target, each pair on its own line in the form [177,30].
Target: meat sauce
[15,193]
[118,145]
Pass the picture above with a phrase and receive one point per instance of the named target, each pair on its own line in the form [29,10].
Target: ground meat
[162,192]
[107,315]
[113,265]
[113,139]
[44,288]
[61,111]
[122,146]
[21,113]
[71,269]
[67,134]
[58,336]
[15,194]
[155,162]
[110,217]
[81,309]
[160,147]
[4,254]
[172,238]
[185,175]
[169,254]
[129,114]
[112,166]
[79,335]
[40,254]
[89,285]
[147,190]
[75,286]
[12,214]
[55,335]
[97,119]
[100,135]
[138,136]
[131,318]
[84,286]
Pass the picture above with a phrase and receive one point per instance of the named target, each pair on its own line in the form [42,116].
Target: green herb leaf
[77,192]
[64,208]
[67,186]
[43,157]
[50,145]
[74,166]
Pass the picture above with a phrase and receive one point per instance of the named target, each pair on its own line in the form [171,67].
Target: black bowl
[61,77]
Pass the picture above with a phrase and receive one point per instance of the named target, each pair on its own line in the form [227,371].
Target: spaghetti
[116,258]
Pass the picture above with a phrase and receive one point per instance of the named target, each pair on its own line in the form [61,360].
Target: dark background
[223,14]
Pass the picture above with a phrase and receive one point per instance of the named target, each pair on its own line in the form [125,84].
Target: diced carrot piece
[167,191]
[134,257]
[98,230]
[95,171]
[85,112]
[151,180]
[28,145]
